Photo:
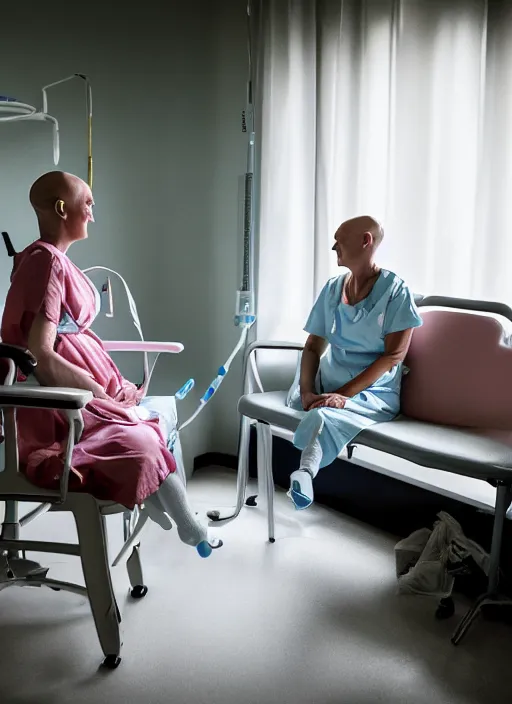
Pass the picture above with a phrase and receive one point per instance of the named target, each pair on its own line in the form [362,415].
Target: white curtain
[400,109]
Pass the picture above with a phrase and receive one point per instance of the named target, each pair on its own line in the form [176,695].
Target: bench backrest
[460,366]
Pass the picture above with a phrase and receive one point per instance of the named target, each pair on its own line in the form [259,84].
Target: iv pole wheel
[445,609]
[139,591]
[251,500]
[111,662]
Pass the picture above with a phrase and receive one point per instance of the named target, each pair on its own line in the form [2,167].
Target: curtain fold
[400,109]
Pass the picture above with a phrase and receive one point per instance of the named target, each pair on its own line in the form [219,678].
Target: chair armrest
[67,400]
[22,358]
[142,346]
[145,347]
[274,345]
[50,397]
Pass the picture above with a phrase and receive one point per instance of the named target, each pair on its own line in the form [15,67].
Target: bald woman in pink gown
[49,309]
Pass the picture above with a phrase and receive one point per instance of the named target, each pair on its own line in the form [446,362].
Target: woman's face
[81,214]
[345,246]
[350,245]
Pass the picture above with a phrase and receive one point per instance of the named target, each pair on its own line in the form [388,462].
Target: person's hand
[308,399]
[328,401]
[127,396]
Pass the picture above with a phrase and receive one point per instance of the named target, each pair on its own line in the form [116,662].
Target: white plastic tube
[212,389]
[11,110]
[135,317]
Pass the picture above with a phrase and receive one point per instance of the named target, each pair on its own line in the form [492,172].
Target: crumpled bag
[408,551]
[427,560]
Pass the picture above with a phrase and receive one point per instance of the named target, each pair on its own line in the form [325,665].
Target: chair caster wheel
[139,591]
[445,609]
[111,662]
[251,501]
[271,540]
[213,515]
[55,589]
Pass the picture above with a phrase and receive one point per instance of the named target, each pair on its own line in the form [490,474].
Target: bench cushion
[474,453]
[460,371]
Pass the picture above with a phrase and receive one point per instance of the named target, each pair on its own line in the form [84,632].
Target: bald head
[62,203]
[54,186]
[365,224]
[357,239]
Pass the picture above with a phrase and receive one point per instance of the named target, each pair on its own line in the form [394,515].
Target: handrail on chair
[12,396]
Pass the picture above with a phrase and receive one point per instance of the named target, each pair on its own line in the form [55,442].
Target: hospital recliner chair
[456,414]
[89,513]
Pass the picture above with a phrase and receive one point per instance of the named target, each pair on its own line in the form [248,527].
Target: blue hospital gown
[356,339]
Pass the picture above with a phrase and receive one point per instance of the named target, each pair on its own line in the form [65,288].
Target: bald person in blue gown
[359,331]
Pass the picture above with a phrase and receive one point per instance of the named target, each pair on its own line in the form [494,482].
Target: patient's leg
[301,481]
[172,498]
[156,511]
[324,432]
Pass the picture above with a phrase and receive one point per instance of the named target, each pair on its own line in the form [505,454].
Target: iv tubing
[211,390]
[135,317]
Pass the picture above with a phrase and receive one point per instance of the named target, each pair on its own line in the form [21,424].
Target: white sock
[311,457]
[172,498]
[302,479]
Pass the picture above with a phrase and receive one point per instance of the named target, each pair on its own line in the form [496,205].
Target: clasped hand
[331,400]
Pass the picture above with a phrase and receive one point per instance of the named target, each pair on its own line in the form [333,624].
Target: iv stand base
[227,515]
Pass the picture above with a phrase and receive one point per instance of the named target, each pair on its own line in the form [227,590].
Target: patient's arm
[52,369]
[313,349]
[396,346]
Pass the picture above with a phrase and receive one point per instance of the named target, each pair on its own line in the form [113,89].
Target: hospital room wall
[168,90]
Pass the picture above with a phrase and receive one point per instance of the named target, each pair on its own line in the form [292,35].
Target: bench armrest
[249,360]
[274,345]
[142,346]
[50,397]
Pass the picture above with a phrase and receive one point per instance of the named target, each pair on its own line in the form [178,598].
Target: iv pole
[246,292]
[245,315]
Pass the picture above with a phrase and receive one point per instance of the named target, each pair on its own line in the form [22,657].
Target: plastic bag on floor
[445,549]
[408,550]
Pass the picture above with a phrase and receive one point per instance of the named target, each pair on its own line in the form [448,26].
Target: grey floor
[313,618]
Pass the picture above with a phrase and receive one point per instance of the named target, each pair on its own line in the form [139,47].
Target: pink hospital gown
[119,457]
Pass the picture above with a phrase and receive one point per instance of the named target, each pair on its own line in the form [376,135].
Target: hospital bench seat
[446,424]
[450,449]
